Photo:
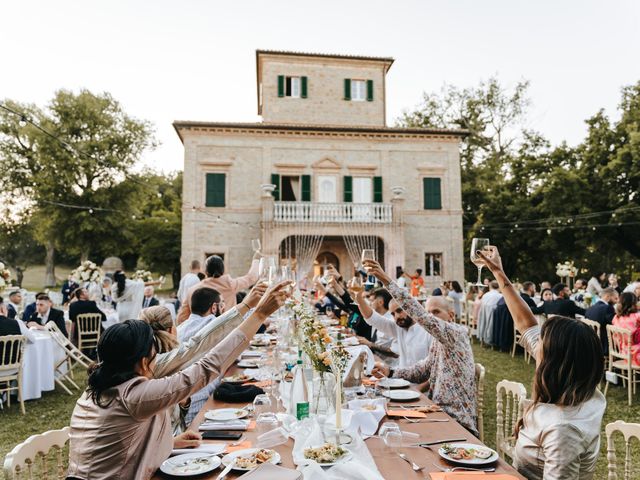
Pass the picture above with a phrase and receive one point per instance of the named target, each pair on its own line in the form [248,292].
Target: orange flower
[327,339]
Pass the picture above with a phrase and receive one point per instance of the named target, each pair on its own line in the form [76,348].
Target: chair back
[480,399]
[89,326]
[591,323]
[629,431]
[620,342]
[72,352]
[31,459]
[11,353]
[509,403]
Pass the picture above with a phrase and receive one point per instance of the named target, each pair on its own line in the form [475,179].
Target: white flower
[1,266]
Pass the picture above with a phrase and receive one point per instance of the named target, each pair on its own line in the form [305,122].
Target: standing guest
[106,292]
[189,280]
[81,305]
[559,434]
[594,286]
[458,297]
[124,406]
[612,281]
[149,299]
[128,295]
[417,283]
[401,277]
[603,312]
[477,303]
[633,287]
[46,313]
[562,305]
[68,287]
[628,317]
[487,310]
[222,282]
[15,299]
[448,371]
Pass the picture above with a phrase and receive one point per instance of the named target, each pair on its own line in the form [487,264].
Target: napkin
[251,353]
[213,448]
[355,352]
[470,476]
[367,420]
[269,471]
[406,413]
[236,393]
[239,424]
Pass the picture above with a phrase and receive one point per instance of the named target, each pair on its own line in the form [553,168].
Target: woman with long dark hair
[456,293]
[627,316]
[559,434]
[120,427]
[128,295]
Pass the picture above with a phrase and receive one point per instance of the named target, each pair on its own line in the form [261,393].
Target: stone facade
[327,141]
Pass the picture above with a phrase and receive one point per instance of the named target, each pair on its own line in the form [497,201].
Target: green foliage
[18,246]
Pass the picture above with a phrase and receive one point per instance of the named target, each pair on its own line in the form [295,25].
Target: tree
[18,246]
[91,166]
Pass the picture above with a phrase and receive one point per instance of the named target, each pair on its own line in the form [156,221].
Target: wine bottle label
[302,410]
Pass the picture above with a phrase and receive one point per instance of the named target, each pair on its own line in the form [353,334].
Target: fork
[470,469]
[422,420]
[414,465]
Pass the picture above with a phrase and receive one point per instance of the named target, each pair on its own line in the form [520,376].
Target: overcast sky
[195,59]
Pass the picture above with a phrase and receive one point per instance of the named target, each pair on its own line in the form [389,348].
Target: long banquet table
[390,465]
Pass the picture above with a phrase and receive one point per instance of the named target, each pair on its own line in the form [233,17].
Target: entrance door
[327,188]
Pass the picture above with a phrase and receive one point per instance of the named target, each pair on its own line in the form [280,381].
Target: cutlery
[191,460]
[414,465]
[226,470]
[427,444]
[455,469]
[423,420]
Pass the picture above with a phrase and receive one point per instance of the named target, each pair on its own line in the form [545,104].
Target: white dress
[130,303]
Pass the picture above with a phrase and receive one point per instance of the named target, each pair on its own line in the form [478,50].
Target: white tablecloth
[38,366]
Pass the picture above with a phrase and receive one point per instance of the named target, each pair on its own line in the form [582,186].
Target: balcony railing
[289,212]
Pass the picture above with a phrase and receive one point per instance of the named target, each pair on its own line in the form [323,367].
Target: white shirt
[26,331]
[188,281]
[412,344]
[44,318]
[402,282]
[192,325]
[488,306]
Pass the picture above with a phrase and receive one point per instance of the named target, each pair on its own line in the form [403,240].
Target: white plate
[393,383]
[230,457]
[223,414]
[211,463]
[401,394]
[475,461]
[231,381]
[344,458]
[247,364]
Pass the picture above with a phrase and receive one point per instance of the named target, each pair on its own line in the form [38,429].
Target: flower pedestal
[324,384]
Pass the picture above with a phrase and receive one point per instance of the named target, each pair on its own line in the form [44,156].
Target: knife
[426,444]
[226,470]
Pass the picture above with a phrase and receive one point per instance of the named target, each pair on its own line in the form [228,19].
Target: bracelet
[242,303]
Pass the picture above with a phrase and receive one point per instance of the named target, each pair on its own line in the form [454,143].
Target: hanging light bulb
[91,210]
[548,231]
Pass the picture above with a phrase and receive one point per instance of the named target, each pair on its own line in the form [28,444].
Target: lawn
[54,409]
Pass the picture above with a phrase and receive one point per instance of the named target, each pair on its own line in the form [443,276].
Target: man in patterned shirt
[447,374]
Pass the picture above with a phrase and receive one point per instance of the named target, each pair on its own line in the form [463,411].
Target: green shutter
[377,189]
[215,194]
[348,189]
[303,87]
[432,194]
[347,89]
[369,90]
[306,188]
[281,85]
[275,179]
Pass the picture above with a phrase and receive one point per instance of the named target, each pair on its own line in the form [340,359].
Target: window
[362,189]
[291,188]
[433,264]
[215,192]
[358,90]
[293,87]
[431,193]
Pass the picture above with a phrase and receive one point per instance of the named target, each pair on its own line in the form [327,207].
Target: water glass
[262,404]
[266,422]
[393,439]
[388,427]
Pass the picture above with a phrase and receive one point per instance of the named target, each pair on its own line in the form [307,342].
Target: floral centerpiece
[87,272]
[144,275]
[5,275]
[313,337]
[566,269]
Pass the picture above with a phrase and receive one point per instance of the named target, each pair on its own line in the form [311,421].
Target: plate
[230,457]
[230,380]
[224,414]
[473,462]
[401,395]
[210,463]
[393,383]
[247,364]
[344,458]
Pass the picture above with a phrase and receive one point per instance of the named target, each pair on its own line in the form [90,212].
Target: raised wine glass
[367,254]
[483,245]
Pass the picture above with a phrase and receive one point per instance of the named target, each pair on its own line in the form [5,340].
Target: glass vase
[323,402]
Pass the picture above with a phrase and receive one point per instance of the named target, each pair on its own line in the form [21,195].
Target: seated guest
[528,293]
[562,305]
[487,311]
[149,300]
[412,340]
[457,295]
[603,312]
[46,313]
[80,305]
[579,289]
[205,305]
[448,371]
[559,434]
[546,295]
[503,324]
[15,299]
[30,308]
[380,343]
[124,406]
[347,305]
[628,317]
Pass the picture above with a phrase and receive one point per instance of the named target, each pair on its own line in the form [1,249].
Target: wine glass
[483,245]
[267,269]
[262,404]
[356,284]
[256,245]
[367,254]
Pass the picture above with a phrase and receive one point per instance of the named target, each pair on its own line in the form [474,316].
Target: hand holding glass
[477,244]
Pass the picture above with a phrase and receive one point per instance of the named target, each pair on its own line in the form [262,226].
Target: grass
[54,409]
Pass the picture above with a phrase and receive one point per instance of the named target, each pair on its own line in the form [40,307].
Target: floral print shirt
[449,369]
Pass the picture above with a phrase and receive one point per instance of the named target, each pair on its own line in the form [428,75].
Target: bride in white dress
[128,294]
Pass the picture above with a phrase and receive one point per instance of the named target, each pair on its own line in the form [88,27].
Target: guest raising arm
[559,434]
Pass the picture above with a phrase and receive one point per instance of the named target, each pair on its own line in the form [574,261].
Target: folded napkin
[269,471]
[239,424]
[251,353]
[367,420]
[355,352]
[406,413]
[236,393]
[212,448]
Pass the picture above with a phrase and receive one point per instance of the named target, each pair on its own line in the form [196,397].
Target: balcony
[308,212]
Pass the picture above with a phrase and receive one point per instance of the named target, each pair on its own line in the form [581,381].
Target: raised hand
[273,299]
[373,268]
[491,260]
[256,293]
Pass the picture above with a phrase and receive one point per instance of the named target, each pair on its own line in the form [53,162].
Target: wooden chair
[11,355]
[620,361]
[471,320]
[30,459]
[629,431]
[596,328]
[509,407]
[89,326]
[516,340]
[480,399]
[73,356]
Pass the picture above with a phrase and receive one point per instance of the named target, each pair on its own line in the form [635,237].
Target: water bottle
[299,400]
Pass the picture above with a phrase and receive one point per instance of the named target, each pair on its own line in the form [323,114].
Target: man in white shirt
[206,304]
[413,341]
[188,281]
[13,306]
[488,307]
[385,346]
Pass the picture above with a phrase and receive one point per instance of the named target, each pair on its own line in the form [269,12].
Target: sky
[195,59]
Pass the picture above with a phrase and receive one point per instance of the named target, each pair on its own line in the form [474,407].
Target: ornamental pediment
[326,164]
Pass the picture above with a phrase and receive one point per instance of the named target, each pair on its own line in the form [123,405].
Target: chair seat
[623,365]
[8,373]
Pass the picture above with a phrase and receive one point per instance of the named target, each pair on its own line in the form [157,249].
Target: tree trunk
[19,276]
[50,267]
[84,256]
[175,276]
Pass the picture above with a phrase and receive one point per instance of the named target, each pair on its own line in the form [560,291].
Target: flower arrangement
[143,275]
[566,269]
[313,337]
[339,359]
[587,298]
[87,272]
[5,275]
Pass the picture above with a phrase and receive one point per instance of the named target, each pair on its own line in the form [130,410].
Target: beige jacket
[131,437]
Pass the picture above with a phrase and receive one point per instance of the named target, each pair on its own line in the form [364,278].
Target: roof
[186,124]
[389,60]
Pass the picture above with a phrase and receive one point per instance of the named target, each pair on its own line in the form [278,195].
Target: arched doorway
[324,259]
